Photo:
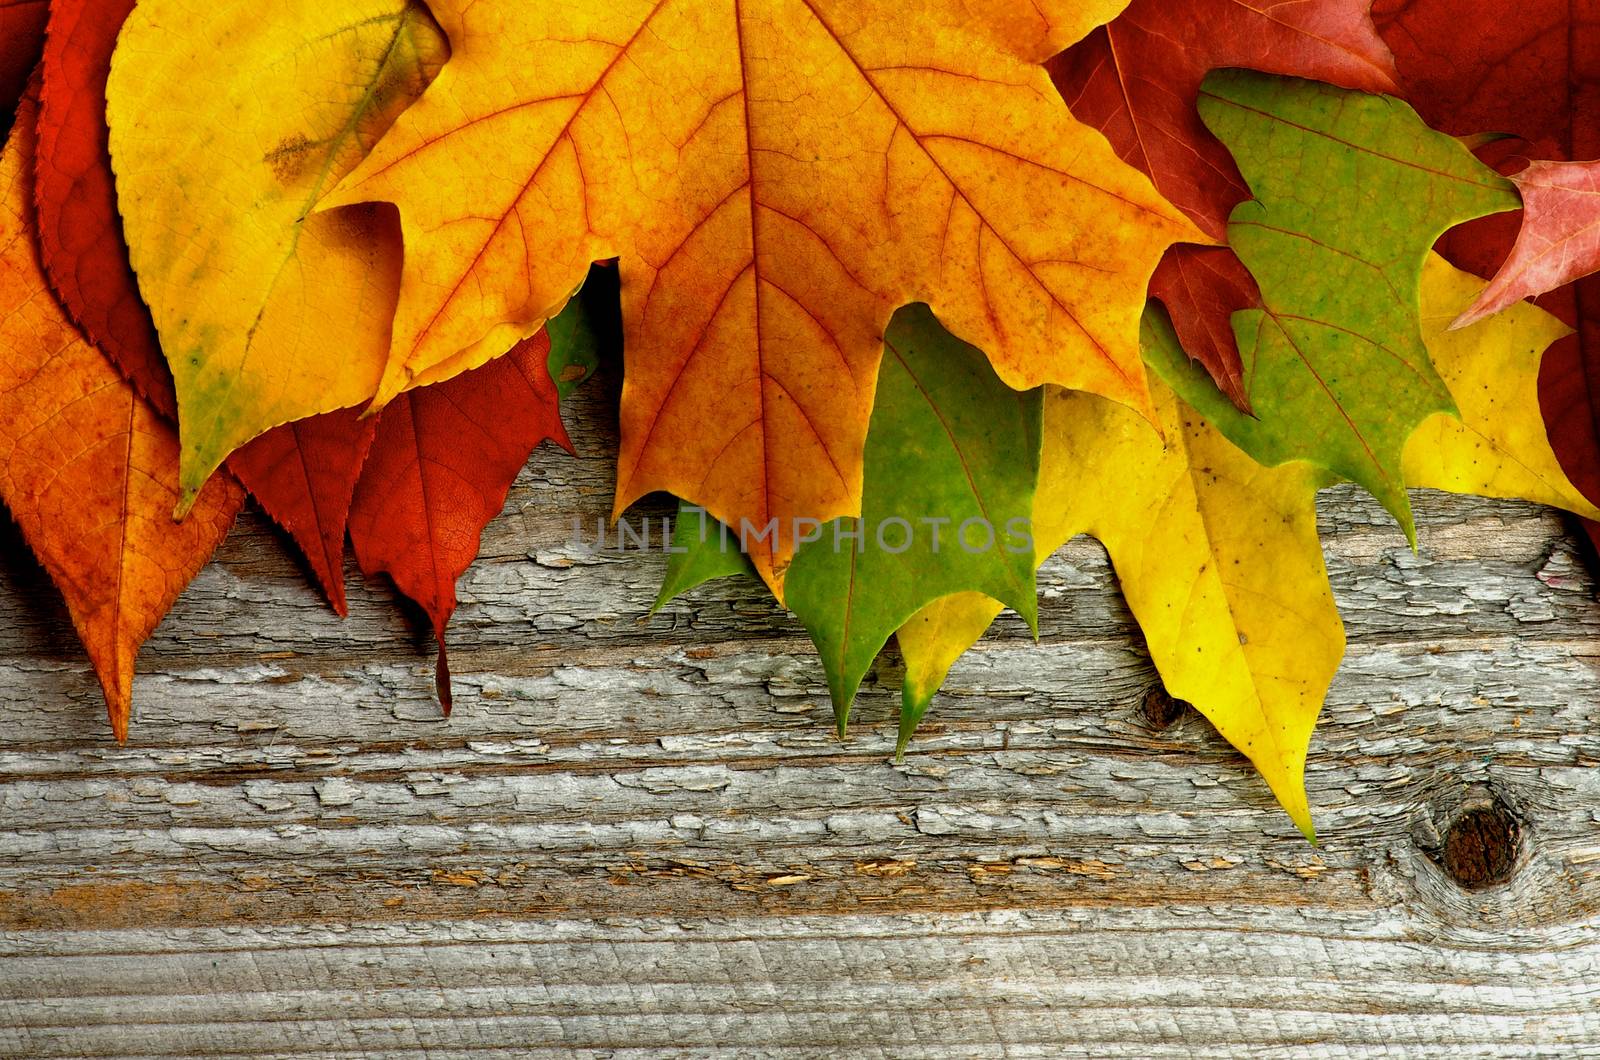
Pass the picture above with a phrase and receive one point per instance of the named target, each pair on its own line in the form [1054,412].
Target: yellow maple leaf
[227,126]
[776,178]
[1218,557]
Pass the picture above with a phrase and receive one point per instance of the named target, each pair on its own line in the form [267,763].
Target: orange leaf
[440,468]
[89,472]
[775,178]
[302,473]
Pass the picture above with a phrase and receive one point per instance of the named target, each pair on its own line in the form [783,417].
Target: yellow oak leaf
[228,124]
[1500,446]
[1218,557]
[776,177]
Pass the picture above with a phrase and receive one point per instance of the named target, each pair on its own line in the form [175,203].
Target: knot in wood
[1481,845]
[1159,710]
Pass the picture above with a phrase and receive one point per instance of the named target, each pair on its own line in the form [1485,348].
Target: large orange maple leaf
[776,178]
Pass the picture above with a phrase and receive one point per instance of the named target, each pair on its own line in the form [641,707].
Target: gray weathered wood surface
[639,834]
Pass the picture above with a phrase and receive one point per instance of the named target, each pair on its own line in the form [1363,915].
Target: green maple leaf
[1351,191]
[702,550]
[950,447]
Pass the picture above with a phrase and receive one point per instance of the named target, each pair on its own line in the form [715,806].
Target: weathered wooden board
[640,834]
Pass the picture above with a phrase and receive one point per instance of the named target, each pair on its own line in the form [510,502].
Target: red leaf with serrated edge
[1137,80]
[1202,287]
[21,37]
[80,234]
[1530,69]
[1559,241]
[87,469]
[302,474]
[439,471]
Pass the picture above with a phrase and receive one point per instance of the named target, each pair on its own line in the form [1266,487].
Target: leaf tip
[1291,795]
[331,582]
[1477,311]
[441,678]
[115,673]
[903,740]
[914,703]
[185,505]
[119,713]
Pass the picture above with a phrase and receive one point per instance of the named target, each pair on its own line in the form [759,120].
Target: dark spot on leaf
[290,158]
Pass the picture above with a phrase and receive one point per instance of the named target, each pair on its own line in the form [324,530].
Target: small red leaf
[1559,241]
[1202,287]
[304,476]
[80,233]
[439,470]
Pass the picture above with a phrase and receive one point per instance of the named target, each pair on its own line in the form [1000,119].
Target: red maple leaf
[443,461]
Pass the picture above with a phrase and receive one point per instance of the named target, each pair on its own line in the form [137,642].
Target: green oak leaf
[952,459]
[1351,191]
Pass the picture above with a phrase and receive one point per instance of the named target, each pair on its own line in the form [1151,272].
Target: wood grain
[639,835]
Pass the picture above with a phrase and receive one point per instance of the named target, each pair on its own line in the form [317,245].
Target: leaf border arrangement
[1157,271]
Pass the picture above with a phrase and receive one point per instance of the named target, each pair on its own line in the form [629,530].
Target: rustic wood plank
[639,833]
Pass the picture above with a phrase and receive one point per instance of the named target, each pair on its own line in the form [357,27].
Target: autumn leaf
[701,550]
[1201,288]
[951,461]
[1137,79]
[302,474]
[21,37]
[1498,447]
[87,470]
[439,470]
[775,183]
[1218,557]
[248,290]
[1351,192]
[1467,75]
[1560,237]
